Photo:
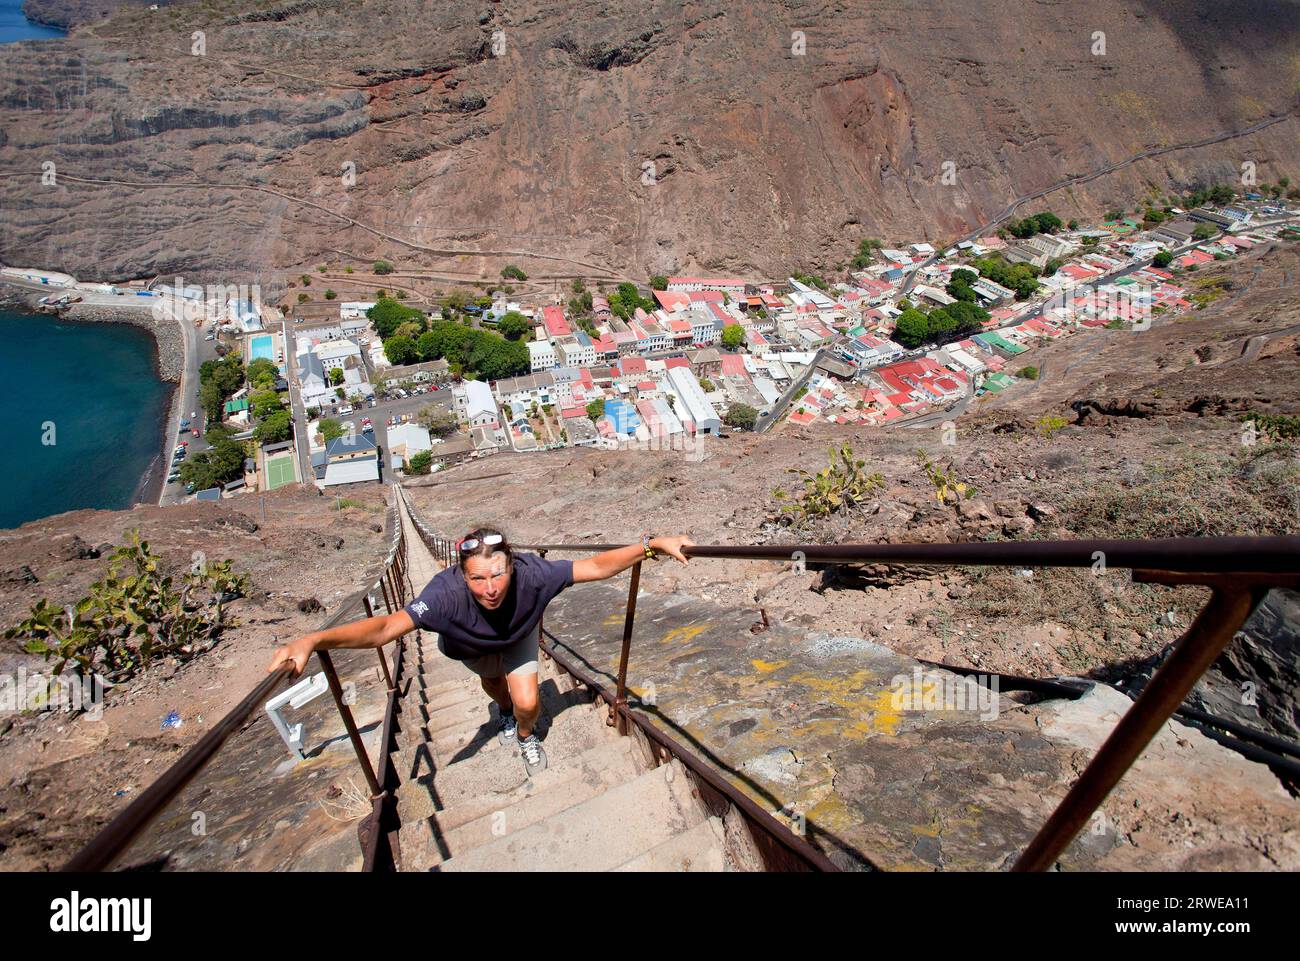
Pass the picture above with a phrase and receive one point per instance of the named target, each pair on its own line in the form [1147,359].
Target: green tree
[420,463]
[330,429]
[741,415]
[437,420]
[262,373]
[912,328]
[275,428]
[596,409]
[514,325]
[866,248]
[1162,259]
[511,272]
[336,376]
[401,350]
[383,267]
[658,282]
[330,295]
[733,336]
[263,403]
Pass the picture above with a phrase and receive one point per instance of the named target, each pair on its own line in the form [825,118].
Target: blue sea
[14,26]
[93,390]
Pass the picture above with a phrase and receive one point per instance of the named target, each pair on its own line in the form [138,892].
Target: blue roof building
[622,416]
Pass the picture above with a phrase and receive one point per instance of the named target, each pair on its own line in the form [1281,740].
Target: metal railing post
[354,735]
[1225,612]
[383,661]
[388,597]
[619,707]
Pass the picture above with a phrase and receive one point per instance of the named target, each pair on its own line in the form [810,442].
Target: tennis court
[279,471]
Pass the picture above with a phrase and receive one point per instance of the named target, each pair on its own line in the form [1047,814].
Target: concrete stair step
[488,772]
[598,834]
[576,779]
[478,818]
[698,849]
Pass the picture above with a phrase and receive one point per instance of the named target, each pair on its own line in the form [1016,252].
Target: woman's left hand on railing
[672,546]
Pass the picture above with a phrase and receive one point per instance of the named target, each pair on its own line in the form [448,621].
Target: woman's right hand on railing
[298,652]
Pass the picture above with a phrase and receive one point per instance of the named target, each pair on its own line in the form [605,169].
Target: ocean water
[14,26]
[93,391]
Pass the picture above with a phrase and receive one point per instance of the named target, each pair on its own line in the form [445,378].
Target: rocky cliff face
[645,139]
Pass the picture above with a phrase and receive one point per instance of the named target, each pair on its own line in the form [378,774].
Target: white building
[526,390]
[336,353]
[474,403]
[244,314]
[692,408]
[728,285]
[541,355]
[407,440]
[354,309]
[577,350]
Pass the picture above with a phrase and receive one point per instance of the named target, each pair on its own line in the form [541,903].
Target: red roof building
[553,319]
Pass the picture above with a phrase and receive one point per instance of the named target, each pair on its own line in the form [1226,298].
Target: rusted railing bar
[123,829]
[331,675]
[1205,639]
[1181,554]
[797,847]
[629,621]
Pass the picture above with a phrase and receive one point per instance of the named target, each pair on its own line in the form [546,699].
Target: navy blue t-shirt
[447,606]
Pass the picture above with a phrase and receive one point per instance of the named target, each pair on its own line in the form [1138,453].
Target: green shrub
[134,616]
[837,487]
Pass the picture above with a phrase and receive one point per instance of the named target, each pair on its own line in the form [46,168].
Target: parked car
[173,478]
[185,425]
[189,488]
[210,337]
[195,432]
[345,410]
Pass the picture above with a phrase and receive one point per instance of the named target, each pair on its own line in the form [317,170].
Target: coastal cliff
[755,139]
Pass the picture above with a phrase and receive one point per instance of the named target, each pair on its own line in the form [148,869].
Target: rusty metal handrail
[1234,555]
[116,836]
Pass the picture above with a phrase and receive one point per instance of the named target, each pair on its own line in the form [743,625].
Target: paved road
[295,404]
[197,350]
[765,421]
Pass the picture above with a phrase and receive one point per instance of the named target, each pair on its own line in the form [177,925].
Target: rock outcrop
[650,140]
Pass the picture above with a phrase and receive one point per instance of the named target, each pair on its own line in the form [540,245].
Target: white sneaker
[534,754]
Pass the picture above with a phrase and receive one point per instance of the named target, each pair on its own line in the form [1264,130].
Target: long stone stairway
[466,803]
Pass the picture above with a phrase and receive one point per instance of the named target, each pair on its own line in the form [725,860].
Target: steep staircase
[466,802]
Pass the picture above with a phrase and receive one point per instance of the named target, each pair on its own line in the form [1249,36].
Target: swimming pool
[262,348]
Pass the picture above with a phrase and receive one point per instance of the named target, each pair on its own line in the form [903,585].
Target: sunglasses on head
[473,542]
